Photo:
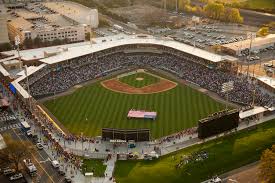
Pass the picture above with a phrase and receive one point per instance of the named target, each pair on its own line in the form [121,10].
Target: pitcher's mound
[139,79]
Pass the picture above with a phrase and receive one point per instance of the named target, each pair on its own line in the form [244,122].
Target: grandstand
[60,68]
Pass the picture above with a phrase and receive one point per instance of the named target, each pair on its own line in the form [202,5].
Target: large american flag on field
[141,114]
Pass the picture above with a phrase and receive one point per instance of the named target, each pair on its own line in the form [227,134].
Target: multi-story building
[40,20]
[46,32]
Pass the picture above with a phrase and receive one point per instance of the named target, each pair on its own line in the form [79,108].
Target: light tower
[17,43]
[251,36]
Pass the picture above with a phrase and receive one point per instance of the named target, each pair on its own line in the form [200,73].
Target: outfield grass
[94,165]
[132,80]
[225,154]
[93,107]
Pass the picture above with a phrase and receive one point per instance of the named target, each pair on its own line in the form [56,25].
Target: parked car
[16,176]
[68,180]
[39,146]
[55,164]
[9,171]
[61,172]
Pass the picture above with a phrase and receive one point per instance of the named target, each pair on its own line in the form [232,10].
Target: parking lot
[205,36]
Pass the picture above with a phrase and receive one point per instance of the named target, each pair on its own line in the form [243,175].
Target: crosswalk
[48,159]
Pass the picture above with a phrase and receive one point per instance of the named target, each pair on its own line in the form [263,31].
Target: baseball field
[105,104]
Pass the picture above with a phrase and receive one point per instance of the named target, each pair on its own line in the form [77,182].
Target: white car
[39,146]
[55,164]
[8,171]
[16,176]
[29,133]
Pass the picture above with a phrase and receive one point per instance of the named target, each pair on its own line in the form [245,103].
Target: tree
[28,43]
[56,42]
[182,4]
[37,42]
[267,165]
[5,47]
[14,152]
[233,15]
[214,10]
[87,36]
[263,31]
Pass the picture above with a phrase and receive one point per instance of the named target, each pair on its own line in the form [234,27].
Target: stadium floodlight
[226,88]
[17,43]
[251,36]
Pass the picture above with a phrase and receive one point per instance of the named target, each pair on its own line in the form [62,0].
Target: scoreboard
[218,123]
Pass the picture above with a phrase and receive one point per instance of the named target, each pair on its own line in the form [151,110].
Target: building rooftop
[57,19]
[74,11]
[27,14]
[257,42]
[21,23]
[114,41]
[38,53]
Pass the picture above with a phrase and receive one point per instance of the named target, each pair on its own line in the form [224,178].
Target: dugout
[256,112]
[138,135]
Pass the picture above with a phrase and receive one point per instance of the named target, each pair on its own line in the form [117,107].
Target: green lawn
[225,154]
[94,165]
[93,107]
[132,80]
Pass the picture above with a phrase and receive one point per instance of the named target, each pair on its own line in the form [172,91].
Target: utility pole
[164,4]
[177,6]
[17,43]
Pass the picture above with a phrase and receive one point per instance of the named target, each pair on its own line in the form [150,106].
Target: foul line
[53,122]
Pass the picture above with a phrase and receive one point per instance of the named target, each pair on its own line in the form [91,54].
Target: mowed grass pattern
[93,107]
[132,80]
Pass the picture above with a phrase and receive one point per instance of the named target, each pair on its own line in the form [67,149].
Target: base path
[117,86]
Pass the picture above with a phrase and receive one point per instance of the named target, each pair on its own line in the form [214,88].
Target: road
[124,25]
[45,172]
[256,18]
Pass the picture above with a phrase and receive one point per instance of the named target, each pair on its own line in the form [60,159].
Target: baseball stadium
[155,92]
[88,88]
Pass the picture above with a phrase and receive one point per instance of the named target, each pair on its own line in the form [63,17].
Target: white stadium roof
[77,51]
